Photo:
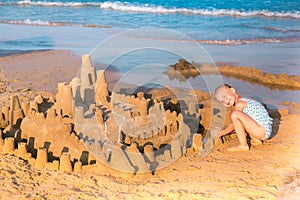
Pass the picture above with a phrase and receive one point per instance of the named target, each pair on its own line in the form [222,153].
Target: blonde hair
[225,85]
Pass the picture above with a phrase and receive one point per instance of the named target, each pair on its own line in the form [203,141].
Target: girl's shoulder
[241,104]
[248,99]
[252,102]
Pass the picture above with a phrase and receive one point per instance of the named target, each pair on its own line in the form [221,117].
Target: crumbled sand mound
[256,76]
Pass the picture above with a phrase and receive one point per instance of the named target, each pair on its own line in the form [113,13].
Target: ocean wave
[56,3]
[46,23]
[209,12]
[269,28]
[213,42]
[130,7]
[51,3]
[249,41]
[225,41]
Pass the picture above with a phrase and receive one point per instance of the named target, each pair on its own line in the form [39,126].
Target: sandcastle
[135,134]
[42,131]
[86,124]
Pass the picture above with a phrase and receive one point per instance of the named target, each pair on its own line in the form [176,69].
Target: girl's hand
[216,132]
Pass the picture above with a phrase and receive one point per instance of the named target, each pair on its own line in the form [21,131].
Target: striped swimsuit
[258,112]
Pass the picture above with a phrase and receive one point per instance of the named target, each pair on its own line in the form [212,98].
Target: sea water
[264,34]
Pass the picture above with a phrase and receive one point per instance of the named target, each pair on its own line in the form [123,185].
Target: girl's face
[226,96]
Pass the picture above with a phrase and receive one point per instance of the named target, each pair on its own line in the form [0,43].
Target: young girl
[249,116]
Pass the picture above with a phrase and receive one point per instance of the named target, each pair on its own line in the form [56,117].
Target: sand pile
[250,74]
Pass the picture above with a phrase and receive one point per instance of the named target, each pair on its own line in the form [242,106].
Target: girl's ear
[233,90]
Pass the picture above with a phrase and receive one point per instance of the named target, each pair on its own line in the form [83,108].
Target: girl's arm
[227,130]
[240,105]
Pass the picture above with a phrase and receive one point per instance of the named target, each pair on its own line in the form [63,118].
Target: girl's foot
[256,142]
[239,148]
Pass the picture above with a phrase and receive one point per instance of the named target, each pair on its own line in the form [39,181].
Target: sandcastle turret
[197,142]
[142,104]
[4,115]
[65,162]
[101,88]
[143,107]
[149,151]
[87,79]
[21,152]
[41,159]
[25,107]
[5,111]
[15,113]
[78,167]
[64,100]
[9,145]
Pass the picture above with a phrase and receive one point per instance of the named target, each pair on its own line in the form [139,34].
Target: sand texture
[45,151]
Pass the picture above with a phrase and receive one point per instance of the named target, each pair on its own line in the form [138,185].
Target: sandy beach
[268,171]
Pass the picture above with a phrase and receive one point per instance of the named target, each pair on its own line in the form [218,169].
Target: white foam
[130,7]
[212,12]
[36,22]
[55,3]
[28,22]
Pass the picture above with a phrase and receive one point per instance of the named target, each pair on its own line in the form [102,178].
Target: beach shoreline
[41,70]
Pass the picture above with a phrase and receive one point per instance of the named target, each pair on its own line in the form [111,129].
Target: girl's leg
[243,123]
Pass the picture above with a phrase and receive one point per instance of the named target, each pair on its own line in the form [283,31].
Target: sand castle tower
[4,113]
[25,107]
[65,162]
[78,167]
[41,159]
[148,149]
[21,152]
[87,78]
[64,100]
[9,145]
[142,104]
[15,113]
[101,88]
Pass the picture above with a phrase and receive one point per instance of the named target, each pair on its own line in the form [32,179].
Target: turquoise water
[265,28]
[218,21]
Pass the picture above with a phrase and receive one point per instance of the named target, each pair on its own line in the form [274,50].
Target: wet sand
[28,74]
[270,171]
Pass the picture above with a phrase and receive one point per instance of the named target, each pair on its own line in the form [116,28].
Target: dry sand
[270,171]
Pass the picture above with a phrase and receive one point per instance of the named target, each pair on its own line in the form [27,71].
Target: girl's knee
[235,114]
